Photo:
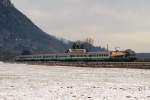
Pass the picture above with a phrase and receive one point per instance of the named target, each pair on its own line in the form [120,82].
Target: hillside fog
[32,82]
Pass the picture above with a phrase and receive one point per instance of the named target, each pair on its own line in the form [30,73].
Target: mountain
[18,33]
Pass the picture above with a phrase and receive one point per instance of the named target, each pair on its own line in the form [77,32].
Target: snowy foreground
[31,82]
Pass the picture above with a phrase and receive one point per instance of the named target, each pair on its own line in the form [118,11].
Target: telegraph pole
[107,48]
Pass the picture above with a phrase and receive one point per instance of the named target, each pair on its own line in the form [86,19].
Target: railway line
[138,65]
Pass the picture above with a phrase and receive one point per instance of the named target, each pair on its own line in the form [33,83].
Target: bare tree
[87,44]
[89,41]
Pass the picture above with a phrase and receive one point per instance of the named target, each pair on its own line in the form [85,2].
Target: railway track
[139,65]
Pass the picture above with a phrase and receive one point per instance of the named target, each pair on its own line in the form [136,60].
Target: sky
[118,23]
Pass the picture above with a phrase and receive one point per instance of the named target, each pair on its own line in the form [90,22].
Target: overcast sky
[123,23]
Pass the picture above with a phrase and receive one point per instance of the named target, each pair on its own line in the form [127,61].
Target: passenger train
[81,55]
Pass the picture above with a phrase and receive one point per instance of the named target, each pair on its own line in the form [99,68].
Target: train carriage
[81,55]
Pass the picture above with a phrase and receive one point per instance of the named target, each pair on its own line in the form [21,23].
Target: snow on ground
[33,82]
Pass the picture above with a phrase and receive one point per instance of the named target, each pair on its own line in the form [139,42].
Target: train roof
[70,53]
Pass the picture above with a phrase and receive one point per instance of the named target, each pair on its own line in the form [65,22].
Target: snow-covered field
[32,82]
